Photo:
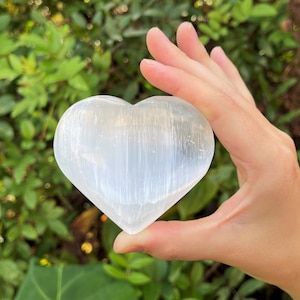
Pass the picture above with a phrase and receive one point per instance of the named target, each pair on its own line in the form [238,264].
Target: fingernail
[150,62]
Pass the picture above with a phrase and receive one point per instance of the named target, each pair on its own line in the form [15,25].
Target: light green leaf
[7,73]
[16,63]
[6,104]
[78,82]
[13,232]
[137,278]
[9,271]
[4,21]
[114,272]
[118,259]
[7,45]
[27,129]
[209,31]
[197,272]
[65,282]
[30,198]
[20,108]
[29,232]
[132,32]
[263,10]
[141,262]
[66,70]
[101,61]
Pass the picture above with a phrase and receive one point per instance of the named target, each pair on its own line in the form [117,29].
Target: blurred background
[54,244]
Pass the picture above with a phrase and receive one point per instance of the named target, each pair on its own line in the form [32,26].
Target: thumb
[173,240]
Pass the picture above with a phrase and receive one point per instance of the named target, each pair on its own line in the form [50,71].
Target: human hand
[257,229]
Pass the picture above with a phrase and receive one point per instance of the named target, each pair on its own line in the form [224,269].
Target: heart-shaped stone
[133,161]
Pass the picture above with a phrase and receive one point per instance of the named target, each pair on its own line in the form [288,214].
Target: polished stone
[133,161]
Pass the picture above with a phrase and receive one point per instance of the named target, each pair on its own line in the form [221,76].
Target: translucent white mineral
[133,161]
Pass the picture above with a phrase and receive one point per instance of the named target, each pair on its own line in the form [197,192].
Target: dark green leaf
[234,276]
[58,227]
[65,282]
[6,131]
[197,198]
[250,286]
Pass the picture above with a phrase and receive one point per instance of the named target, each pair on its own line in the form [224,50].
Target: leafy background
[53,243]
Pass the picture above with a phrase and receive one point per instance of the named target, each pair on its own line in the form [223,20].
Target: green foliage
[55,53]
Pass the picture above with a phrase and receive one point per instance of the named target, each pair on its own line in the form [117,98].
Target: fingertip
[125,243]
[217,52]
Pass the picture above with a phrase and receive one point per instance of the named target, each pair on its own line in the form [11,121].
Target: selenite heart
[133,161]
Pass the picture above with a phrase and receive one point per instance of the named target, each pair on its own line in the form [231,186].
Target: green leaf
[285,86]
[30,198]
[34,41]
[20,108]
[288,117]
[197,272]
[234,276]
[29,232]
[9,271]
[224,293]
[4,21]
[118,259]
[151,291]
[58,227]
[79,20]
[13,232]
[133,32]
[65,282]
[263,10]
[20,172]
[197,198]
[138,278]
[141,262]
[6,131]
[66,70]
[78,82]
[209,31]
[16,63]
[27,129]
[114,272]
[6,104]
[7,45]
[250,286]
[102,61]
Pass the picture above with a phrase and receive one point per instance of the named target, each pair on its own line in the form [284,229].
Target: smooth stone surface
[133,161]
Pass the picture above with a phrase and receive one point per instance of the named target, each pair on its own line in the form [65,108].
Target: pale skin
[257,229]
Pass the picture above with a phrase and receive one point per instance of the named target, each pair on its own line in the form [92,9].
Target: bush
[55,53]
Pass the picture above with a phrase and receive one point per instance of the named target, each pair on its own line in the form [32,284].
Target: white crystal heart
[133,161]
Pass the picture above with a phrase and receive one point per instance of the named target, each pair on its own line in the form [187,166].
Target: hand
[258,229]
